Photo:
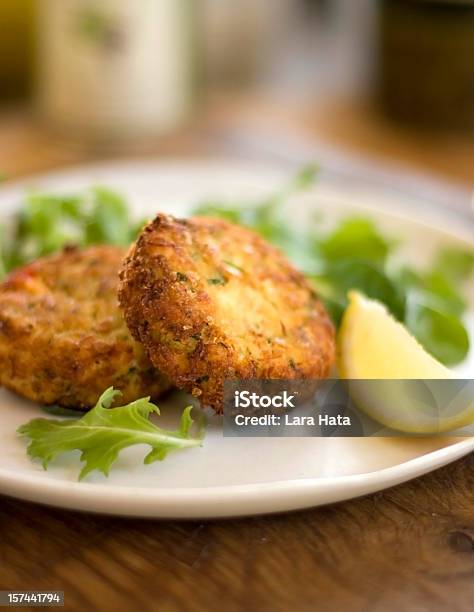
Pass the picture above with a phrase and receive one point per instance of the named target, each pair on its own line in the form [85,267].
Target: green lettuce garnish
[356,255]
[48,222]
[103,432]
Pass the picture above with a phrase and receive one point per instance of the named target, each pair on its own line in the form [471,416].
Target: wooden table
[408,548]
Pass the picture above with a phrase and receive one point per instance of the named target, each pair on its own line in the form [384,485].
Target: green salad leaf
[109,220]
[263,216]
[48,222]
[355,237]
[342,276]
[457,264]
[61,411]
[441,333]
[103,432]
[3,254]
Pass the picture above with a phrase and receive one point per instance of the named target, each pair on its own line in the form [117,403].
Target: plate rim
[223,501]
[450,222]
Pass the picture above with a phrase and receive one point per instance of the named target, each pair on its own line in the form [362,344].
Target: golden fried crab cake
[63,339]
[211,301]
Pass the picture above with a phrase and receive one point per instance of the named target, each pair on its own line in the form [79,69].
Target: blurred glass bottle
[425,68]
[16,44]
[238,39]
[115,69]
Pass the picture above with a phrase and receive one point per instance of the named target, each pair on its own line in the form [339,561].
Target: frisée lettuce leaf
[104,432]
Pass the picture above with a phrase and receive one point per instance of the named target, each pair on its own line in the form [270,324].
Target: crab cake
[211,301]
[63,339]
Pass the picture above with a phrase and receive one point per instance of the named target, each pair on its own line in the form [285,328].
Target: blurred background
[366,87]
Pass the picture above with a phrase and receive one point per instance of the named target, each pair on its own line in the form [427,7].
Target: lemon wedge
[372,344]
[409,395]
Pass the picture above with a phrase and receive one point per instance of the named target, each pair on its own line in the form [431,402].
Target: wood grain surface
[410,548]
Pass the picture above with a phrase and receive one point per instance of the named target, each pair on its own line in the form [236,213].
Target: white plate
[230,476]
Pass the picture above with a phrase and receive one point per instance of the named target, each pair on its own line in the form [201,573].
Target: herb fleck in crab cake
[211,301]
[63,339]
